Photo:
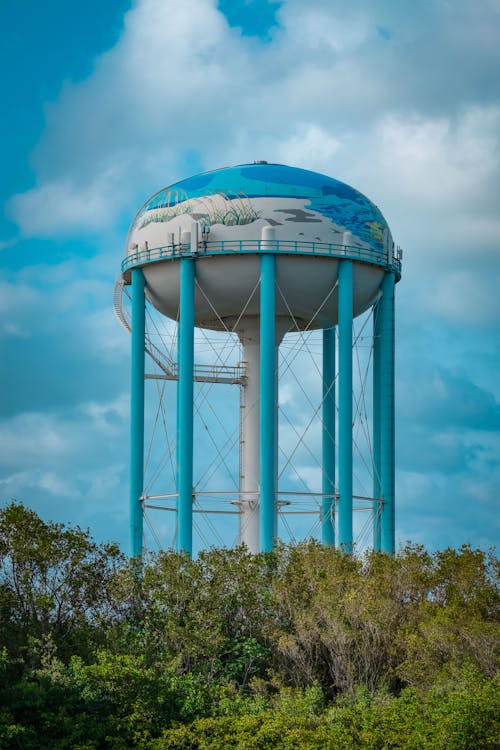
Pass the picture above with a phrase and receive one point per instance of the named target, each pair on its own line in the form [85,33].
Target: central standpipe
[249,444]
[268,402]
[260,338]
[250,417]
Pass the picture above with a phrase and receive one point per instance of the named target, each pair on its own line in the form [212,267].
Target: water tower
[260,249]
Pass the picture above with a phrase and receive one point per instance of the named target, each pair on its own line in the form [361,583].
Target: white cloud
[6,244]
[310,146]
[400,102]
[311,475]
[15,331]
[34,438]
[108,418]
[108,135]
[16,297]
[55,485]
[105,335]
[62,205]
[441,162]
[317,26]
[330,91]
[469,297]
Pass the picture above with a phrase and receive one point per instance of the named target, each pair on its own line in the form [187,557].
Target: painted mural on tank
[237,202]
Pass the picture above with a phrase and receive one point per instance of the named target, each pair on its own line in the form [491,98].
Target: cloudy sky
[105,103]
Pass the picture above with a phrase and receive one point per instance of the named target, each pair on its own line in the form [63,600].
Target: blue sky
[105,103]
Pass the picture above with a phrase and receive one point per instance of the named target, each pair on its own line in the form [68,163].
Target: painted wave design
[335,200]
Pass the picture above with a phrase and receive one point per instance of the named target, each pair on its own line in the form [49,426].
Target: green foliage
[455,718]
[53,582]
[203,616]
[305,647]
[457,621]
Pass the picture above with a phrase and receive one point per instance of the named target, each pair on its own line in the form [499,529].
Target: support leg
[377,505]
[137,412]
[328,462]
[387,441]
[185,395]
[268,433]
[345,314]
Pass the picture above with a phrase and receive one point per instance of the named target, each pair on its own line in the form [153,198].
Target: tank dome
[239,201]
[228,217]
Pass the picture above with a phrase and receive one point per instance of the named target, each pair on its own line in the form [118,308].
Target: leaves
[305,647]
[53,579]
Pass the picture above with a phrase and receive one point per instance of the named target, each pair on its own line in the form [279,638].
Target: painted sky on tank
[104,103]
[341,203]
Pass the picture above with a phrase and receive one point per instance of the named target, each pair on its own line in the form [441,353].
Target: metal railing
[287,247]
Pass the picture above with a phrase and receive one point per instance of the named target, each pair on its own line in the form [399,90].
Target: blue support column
[185,393]
[328,458]
[267,401]
[387,441]
[137,412]
[345,314]
[377,506]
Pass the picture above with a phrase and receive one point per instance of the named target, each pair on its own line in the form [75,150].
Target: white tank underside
[224,283]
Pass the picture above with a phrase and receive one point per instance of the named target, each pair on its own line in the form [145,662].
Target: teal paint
[345,315]
[137,412]
[377,506]
[268,433]
[387,436]
[359,247]
[185,394]
[328,442]
[286,247]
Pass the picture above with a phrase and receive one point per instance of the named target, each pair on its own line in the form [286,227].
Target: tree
[456,623]
[54,582]
[204,616]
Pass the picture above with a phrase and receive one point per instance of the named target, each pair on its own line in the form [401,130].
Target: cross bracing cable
[153,432]
[300,442]
[231,441]
[362,414]
[288,363]
[213,466]
[198,530]
[316,410]
[168,455]
[245,306]
[295,324]
[162,410]
[212,527]
[152,529]
[308,345]
[222,322]
[288,528]
[220,454]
